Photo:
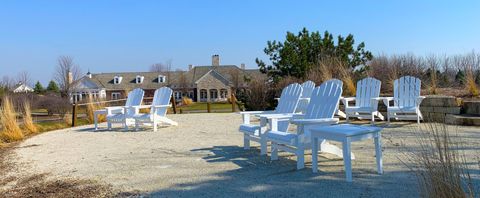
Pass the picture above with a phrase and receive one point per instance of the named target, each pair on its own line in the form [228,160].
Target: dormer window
[162,79]
[117,80]
[139,79]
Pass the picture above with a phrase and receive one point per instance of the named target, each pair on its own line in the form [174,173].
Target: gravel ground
[203,157]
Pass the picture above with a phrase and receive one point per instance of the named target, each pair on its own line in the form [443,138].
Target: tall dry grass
[11,131]
[186,100]
[27,118]
[92,106]
[439,164]
[470,84]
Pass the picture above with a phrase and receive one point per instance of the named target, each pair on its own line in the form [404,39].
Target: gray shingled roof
[151,78]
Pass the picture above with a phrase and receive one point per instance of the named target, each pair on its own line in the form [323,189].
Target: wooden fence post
[174,105]
[74,115]
[208,107]
[233,100]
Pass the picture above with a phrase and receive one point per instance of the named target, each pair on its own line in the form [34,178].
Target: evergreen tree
[38,89]
[460,77]
[300,52]
[53,87]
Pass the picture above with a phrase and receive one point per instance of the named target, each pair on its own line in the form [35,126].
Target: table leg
[314,154]
[263,138]
[347,159]
[378,152]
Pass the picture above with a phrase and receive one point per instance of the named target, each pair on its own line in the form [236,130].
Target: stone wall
[211,82]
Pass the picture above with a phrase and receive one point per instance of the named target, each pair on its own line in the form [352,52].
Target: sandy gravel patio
[203,157]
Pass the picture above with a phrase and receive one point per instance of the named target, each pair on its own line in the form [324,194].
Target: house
[201,83]
[22,88]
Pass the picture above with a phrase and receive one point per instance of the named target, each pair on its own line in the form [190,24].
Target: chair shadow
[258,176]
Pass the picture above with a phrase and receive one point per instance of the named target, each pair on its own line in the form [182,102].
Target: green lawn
[199,106]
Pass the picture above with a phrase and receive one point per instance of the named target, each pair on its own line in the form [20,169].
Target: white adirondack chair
[158,110]
[308,87]
[406,99]
[366,100]
[124,114]
[287,105]
[320,111]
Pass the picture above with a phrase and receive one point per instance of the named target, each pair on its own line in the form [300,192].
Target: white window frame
[162,79]
[117,80]
[116,95]
[139,79]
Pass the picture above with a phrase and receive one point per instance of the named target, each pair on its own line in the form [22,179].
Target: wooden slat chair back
[134,98]
[324,100]
[406,90]
[288,102]
[307,87]
[367,89]
[161,97]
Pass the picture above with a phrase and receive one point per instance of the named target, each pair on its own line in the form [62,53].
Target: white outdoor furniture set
[316,123]
[129,114]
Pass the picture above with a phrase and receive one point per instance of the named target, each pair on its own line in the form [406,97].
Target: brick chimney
[242,66]
[215,60]
[190,67]
[70,78]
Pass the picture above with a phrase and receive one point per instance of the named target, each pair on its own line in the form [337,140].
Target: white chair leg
[378,153]
[136,125]
[347,117]
[418,118]
[263,145]
[109,126]
[246,142]
[347,159]
[155,125]
[300,157]
[274,151]
[372,119]
[125,126]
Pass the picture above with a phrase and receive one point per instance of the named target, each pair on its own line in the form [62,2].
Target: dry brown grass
[27,118]
[470,84]
[92,106]
[440,167]
[186,101]
[67,118]
[11,131]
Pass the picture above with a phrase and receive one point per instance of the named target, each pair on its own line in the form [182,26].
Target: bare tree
[182,81]
[66,72]
[7,82]
[163,68]
[25,78]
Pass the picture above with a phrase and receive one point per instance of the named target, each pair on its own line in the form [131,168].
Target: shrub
[53,104]
[27,118]
[442,171]
[470,84]
[186,100]
[256,95]
[11,132]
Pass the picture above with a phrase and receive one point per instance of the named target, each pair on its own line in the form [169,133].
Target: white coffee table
[346,133]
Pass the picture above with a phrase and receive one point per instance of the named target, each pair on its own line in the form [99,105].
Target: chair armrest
[386,101]
[250,112]
[419,100]
[315,121]
[115,110]
[161,106]
[346,100]
[142,106]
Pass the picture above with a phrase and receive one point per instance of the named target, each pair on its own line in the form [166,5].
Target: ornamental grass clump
[11,131]
[93,105]
[439,163]
[27,119]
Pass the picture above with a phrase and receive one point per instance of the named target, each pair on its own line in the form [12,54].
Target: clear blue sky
[114,36]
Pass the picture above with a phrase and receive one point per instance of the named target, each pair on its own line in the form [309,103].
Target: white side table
[96,114]
[346,133]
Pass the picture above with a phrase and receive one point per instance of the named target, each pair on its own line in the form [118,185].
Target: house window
[116,95]
[190,94]
[117,80]
[177,95]
[162,79]
[203,94]
[223,93]
[213,94]
[139,79]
